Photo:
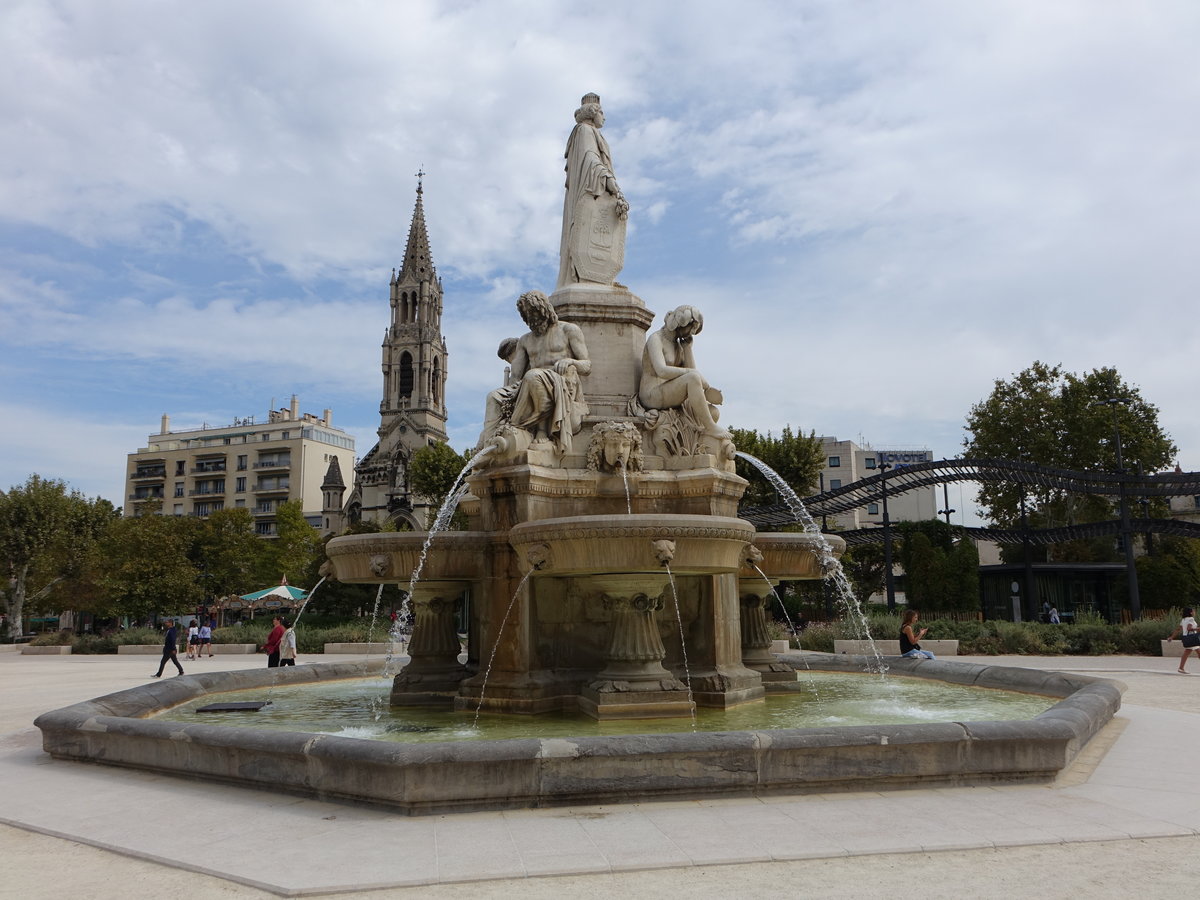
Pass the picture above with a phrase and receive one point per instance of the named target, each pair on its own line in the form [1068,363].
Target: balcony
[141,498]
[204,492]
[151,472]
[280,489]
[205,468]
[284,463]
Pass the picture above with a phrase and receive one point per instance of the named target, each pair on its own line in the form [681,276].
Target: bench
[1172,648]
[49,650]
[892,648]
[156,649]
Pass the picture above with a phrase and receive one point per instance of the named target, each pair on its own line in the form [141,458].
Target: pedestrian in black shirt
[170,649]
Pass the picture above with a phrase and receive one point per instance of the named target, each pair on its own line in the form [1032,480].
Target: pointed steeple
[418,263]
[333,475]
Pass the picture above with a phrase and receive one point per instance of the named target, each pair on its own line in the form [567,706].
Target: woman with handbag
[1189,635]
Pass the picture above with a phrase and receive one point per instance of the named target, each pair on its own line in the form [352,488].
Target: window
[266,437]
[872,509]
[241,484]
[406,374]
[240,503]
[835,483]
[179,489]
[178,510]
[287,436]
[835,462]
[869,462]
[242,462]
[180,467]
[1196,500]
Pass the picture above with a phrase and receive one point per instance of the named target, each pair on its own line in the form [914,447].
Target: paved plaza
[1123,820]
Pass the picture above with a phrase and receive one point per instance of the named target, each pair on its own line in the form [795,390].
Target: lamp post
[1135,599]
[947,512]
[888,580]
[825,593]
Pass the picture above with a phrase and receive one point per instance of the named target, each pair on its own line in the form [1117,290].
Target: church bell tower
[413,410]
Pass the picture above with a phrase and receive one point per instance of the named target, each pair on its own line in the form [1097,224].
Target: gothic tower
[413,411]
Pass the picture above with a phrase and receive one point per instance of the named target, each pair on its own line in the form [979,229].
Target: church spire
[418,264]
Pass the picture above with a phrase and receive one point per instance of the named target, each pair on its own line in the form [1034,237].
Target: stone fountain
[604,570]
[608,482]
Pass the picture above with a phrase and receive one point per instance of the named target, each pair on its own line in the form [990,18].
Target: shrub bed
[1087,636]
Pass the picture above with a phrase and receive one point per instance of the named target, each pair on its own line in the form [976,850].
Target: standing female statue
[594,211]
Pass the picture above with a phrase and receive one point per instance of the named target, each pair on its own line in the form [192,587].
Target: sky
[881,208]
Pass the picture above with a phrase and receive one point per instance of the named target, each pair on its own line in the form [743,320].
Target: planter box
[1172,648]
[374,647]
[218,649]
[892,648]
[27,650]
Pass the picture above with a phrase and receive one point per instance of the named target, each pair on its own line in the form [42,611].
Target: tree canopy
[796,457]
[1059,419]
[45,533]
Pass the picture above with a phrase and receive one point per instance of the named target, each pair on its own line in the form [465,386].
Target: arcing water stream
[829,562]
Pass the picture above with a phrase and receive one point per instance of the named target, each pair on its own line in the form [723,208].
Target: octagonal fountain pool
[562,764]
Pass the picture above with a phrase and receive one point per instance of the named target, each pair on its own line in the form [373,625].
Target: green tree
[433,469]
[230,556]
[1056,418]
[863,567]
[925,573]
[144,565]
[963,575]
[1171,577]
[298,546]
[44,534]
[797,458]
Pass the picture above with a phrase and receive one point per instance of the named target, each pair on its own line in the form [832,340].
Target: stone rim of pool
[421,779]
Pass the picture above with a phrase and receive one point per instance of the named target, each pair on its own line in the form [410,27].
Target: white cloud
[880,207]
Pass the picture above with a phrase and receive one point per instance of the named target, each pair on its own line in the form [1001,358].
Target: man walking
[170,649]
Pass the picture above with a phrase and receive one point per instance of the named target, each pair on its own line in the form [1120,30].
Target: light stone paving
[1130,787]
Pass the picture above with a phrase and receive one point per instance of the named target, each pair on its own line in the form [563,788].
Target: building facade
[251,465]
[847,462]
[413,410]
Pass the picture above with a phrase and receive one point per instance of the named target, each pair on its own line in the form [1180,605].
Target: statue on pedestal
[594,211]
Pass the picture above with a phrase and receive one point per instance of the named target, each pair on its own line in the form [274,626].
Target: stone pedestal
[614,322]
[756,639]
[634,683]
[434,675]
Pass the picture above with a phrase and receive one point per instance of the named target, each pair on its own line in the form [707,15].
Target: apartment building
[247,464]
[847,462]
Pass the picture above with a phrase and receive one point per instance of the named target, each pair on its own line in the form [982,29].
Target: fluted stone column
[434,673]
[756,639]
[634,683]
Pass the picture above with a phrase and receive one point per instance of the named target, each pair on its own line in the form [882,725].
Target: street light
[888,580]
[1135,600]
[947,512]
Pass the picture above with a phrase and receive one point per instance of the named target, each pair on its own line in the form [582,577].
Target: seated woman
[909,645]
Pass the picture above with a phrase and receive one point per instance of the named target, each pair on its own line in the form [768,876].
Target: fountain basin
[619,544]
[788,556]
[445,777]
[393,556]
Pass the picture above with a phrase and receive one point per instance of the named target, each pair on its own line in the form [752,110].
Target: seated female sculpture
[670,378]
